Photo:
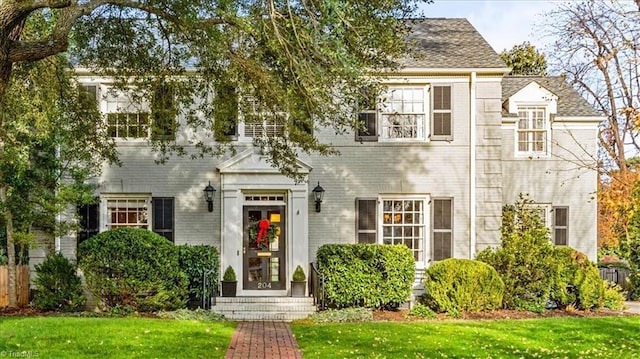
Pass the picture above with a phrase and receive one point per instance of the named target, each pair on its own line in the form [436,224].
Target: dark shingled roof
[570,102]
[449,43]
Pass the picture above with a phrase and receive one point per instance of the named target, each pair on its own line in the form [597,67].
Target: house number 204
[264,285]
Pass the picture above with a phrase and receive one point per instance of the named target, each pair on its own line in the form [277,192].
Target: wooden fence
[22,285]
[615,275]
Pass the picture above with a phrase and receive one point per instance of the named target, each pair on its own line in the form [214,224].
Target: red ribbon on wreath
[263,232]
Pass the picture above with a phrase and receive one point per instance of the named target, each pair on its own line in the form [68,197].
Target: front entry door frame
[264,266]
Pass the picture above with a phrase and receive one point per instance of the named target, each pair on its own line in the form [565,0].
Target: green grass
[67,337]
[604,337]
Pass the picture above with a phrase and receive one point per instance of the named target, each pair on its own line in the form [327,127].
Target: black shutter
[366,220]
[89,221]
[163,225]
[560,225]
[442,209]
[441,113]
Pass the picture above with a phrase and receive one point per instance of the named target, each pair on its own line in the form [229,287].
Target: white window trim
[547,128]
[123,105]
[426,222]
[548,215]
[425,125]
[105,220]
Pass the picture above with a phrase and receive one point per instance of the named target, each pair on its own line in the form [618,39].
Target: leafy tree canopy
[271,57]
[525,59]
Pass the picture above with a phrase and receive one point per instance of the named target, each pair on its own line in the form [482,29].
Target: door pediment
[251,162]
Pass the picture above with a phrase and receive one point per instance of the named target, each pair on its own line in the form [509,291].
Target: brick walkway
[263,340]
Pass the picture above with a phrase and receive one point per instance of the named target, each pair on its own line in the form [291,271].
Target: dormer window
[532,130]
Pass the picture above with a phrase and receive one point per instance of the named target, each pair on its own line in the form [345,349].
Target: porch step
[283,309]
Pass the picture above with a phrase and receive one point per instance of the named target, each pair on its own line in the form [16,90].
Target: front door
[264,248]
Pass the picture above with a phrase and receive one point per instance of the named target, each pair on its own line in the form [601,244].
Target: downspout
[472,166]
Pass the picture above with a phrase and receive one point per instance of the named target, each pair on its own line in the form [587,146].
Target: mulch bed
[393,315]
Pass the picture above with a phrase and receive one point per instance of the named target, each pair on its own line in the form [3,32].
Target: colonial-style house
[452,141]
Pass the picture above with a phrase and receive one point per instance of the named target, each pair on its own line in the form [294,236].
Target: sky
[503,23]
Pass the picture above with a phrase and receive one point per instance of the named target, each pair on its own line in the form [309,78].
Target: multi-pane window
[532,130]
[403,114]
[560,225]
[442,231]
[128,212]
[128,125]
[403,223]
[259,127]
[441,113]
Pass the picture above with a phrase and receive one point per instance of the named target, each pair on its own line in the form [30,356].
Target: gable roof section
[570,102]
[449,43]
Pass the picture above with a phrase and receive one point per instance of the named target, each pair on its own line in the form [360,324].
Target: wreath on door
[263,233]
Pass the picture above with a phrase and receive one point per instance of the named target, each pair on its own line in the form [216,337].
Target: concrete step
[264,308]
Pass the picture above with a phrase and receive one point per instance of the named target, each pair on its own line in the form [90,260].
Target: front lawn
[592,337]
[67,337]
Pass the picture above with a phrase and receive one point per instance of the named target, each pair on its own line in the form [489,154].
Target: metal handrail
[206,298]
[316,286]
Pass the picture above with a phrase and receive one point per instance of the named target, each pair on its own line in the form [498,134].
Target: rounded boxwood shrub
[462,285]
[195,261]
[136,268]
[58,287]
[366,275]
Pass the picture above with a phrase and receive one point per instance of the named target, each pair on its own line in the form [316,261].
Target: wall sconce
[318,194]
[209,191]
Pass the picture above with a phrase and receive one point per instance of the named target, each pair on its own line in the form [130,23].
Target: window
[128,125]
[403,114]
[442,232]
[441,113]
[560,225]
[162,208]
[392,221]
[259,126]
[366,221]
[89,222]
[403,223]
[532,130]
[128,212]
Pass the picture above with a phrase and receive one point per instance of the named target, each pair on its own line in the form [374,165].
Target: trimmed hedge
[194,262]
[462,285]
[366,275]
[133,268]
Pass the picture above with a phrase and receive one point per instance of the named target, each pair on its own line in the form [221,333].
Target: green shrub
[298,275]
[366,275]
[133,268]
[577,283]
[525,259]
[195,261]
[462,285]
[420,310]
[58,287]
[614,297]
[229,275]
[346,315]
